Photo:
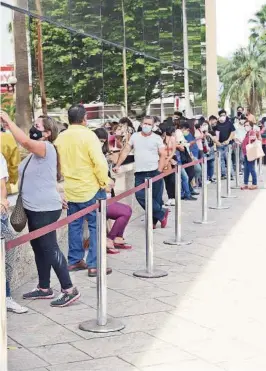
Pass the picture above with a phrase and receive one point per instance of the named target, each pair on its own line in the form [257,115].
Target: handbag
[254,150]
[18,217]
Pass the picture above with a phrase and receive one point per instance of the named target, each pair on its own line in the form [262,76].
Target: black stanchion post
[178,233]
[150,271]
[3,312]
[204,195]
[103,324]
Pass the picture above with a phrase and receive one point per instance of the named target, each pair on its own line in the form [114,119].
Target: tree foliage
[83,68]
[244,75]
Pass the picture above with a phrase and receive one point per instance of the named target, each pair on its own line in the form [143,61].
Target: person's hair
[185,125]
[50,124]
[212,117]
[240,107]
[102,134]
[222,111]
[76,114]
[250,123]
[156,120]
[263,120]
[178,113]
[191,126]
[242,117]
[126,120]
[147,117]
[168,130]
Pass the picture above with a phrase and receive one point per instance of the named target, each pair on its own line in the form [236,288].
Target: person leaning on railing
[149,152]
[117,211]
[43,206]
[85,173]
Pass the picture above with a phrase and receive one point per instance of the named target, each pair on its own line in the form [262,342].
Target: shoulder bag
[18,217]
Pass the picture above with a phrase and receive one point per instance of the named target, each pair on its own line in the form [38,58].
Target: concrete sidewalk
[208,314]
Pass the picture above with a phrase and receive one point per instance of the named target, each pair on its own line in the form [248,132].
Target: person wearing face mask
[225,133]
[249,166]
[43,206]
[149,152]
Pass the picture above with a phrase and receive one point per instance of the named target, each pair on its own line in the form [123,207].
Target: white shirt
[179,136]
[3,168]
[146,151]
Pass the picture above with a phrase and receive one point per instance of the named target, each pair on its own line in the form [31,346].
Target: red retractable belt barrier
[63,222]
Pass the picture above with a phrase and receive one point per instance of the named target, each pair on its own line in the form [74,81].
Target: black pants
[170,185]
[46,250]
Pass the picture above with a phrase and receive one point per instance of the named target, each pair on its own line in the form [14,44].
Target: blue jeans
[198,176]
[185,191]
[223,152]
[8,291]
[157,194]
[249,168]
[75,232]
[210,168]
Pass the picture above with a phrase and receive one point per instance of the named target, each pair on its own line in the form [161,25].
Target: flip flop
[123,246]
[112,251]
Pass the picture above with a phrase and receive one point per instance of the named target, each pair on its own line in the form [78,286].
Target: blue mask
[146,129]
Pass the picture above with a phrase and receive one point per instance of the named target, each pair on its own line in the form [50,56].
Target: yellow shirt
[83,164]
[10,151]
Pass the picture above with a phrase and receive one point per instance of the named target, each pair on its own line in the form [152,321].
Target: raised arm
[33,146]
[123,155]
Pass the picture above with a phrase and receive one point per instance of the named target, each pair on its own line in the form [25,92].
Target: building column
[211,57]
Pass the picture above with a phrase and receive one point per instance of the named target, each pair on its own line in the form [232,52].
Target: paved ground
[208,314]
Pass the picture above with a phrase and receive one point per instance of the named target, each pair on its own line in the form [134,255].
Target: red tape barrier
[63,222]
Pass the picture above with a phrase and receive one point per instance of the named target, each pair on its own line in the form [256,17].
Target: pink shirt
[247,140]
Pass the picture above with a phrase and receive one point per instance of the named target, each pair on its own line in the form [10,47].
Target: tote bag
[254,150]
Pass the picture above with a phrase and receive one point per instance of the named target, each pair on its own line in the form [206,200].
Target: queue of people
[88,160]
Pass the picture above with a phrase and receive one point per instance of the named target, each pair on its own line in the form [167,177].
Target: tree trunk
[23,107]
[40,59]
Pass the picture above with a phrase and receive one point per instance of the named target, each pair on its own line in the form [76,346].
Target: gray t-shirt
[146,151]
[39,190]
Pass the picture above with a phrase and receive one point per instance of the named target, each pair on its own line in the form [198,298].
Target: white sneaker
[173,202]
[169,202]
[14,307]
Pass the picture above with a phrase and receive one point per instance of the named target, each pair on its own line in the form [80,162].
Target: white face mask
[247,128]
[204,128]
[222,119]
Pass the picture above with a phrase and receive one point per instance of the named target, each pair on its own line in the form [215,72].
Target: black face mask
[35,134]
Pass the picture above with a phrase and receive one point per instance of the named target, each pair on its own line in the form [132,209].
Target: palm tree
[23,107]
[244,77]
[259,24]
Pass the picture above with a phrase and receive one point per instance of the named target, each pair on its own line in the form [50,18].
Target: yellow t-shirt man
[82,162]
[10,151]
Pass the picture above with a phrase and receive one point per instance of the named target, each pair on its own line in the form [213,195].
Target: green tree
[244,77]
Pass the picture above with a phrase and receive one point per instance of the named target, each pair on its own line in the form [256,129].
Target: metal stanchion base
[156,273]
[112,325]
[219,207]
[231,196]
[177,243]
[204,221]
